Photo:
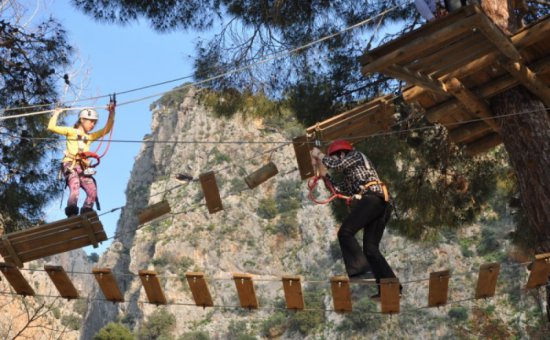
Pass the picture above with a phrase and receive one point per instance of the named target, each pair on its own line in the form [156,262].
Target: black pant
[371,214]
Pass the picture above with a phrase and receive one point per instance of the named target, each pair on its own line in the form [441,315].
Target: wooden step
[62,282]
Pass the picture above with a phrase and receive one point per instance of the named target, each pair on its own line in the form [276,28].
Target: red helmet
[339,145]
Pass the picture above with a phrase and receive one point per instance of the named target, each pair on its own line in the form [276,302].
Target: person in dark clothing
[370,212]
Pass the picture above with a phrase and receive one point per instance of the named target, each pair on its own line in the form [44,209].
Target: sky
[116,58]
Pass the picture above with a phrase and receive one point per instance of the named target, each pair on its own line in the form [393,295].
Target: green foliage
[194,336]
[80,307]
[159,324]
[267,208]
[364,317]
[238,330]
[275,324]
[56,312]
[288,224]
[218,157]
[310,321]
[114,331]
[489,242]
[173,98]
[93,257]
[458,314]
[160,261]
[72,322]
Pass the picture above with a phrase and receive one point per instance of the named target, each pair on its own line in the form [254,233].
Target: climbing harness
[312,183]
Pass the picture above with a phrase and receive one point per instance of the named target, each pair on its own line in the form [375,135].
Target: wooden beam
[417,46]
[62,282]
[483,144]
[529,79]
[211,192]
[477,107]
[261,175]
[199,288]
[108,284]
[87,225]
[16,279]
[152,287]
[468,130]
[293,292]
[416,78]
[498,38]
[439,288]
[540,271]
[153,211]
[390,295]
[487,280]
[303,157]
[246,291]
[341,294]
[13,257]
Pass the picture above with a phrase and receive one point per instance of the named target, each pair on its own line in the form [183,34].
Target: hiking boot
[71,210]
[84,210]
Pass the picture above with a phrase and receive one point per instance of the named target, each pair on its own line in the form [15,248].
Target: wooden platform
[52,238]
[453,65]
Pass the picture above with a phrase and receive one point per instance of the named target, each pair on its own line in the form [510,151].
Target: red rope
[312,183]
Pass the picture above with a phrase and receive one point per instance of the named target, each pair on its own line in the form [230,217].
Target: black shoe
[71,210]
[84,210]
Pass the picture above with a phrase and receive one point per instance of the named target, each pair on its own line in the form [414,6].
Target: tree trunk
[526,137]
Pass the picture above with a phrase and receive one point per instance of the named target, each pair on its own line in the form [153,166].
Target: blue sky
[119,58]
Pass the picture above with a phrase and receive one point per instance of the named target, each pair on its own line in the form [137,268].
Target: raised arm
[108,126]
[52,124]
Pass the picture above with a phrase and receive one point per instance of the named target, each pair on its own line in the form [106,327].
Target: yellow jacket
[77,140]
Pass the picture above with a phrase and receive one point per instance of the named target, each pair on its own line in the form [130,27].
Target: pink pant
[76,180]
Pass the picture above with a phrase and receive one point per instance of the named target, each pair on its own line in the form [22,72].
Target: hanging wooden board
[108,284]
[211,192]
[52,238]
[261,175]
[199,288]
[301,149]
[16,279]
[439,288]
[246,291]
[293,292]
[153,211]
[390,295]
[62,282]
[540,271]
[341,294]
[152,287]
[487,280]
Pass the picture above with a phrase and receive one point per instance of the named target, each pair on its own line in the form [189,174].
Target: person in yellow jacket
[75,164]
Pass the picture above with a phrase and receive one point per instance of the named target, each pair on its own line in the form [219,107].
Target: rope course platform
[453,65]
[390,296]
[52,238]
[355,124]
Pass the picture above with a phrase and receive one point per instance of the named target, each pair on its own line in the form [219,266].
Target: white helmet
[89,114]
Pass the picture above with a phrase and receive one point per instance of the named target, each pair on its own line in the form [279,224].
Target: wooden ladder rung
[199,288]
[153,211]
[303,157]
[16,279]
[540,271]
[293,292]
[211,192]
[87,225]
[62,282]
[390,295]
[108,284]
[246,291]
[341,294]
[151,283]
[439,288]
[487,280]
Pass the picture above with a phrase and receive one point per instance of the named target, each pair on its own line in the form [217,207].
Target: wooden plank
[199,288]
[439,288]
[87,226]
[417,46]
[341,294]
[211,192]
[62,282]
[261,175]
[390,295]
[483,144]
[153,211]
[45,230]
[498,38]
[151,283]
[468,130]
[358,128]
[108,285]
[16,279]
[13,258]
[245,289]
[303,157]
[540,271]
[528,78]
[476,106]
[415,78]
[487,280]
[293,292]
